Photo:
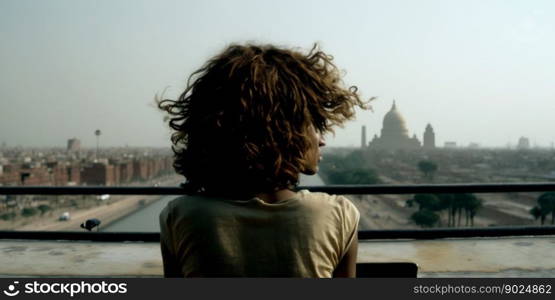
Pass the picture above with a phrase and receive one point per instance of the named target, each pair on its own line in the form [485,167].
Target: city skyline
[479,72]
[447,144]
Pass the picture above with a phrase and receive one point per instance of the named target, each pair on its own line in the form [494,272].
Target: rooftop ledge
[468,257]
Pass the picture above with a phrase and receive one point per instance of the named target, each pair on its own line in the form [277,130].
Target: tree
[465,202]
[427,201]
[425,218]
[43,208]
[537,213]
[7,216]
[447,202]
[455,204]
[28,212]
[471,207]
[428,168]
[546,206]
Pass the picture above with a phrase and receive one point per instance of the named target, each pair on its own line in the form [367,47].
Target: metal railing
[434,233]
[331,189]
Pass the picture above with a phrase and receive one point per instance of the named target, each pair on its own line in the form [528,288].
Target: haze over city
[478,71]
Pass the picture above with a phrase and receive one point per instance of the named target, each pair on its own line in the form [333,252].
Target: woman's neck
[276,196]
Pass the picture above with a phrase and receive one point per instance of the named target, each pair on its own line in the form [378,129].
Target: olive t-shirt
[305,236]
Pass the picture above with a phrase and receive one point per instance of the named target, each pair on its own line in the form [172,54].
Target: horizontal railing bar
[433,188]
[439,233]
[332,189]
[82,236]
[436,233]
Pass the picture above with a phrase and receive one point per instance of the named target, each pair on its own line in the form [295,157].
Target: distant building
[73,145]
[363,138]
[74,175]
[474,146]
[126,171]
[58,173]
[35,175]
[429,137]
[450,145]
[140,169]
[523,143]
[98,174]
[10,175]
[394,134]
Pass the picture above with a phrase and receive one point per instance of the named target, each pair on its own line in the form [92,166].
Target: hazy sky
[478,71]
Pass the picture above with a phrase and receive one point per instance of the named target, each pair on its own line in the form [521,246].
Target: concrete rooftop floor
[527,256]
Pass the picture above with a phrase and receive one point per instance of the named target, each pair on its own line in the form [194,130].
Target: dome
[394,123]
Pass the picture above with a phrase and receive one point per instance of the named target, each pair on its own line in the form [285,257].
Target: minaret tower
[363,143]
[429,137]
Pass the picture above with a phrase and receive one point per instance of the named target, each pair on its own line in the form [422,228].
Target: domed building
[395,134]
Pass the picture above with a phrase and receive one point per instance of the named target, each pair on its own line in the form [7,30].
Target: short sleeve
[351,217]
[169,260]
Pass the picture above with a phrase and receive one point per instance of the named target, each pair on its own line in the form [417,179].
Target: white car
[64,217]
[103,197]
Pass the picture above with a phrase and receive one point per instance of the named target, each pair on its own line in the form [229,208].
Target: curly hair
[241,123]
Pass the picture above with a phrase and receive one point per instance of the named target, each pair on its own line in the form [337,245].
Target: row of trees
[354,168]
[433,209]
[26,212]
[430,207]
[349,169]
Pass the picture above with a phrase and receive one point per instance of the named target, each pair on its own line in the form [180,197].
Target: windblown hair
[241,125]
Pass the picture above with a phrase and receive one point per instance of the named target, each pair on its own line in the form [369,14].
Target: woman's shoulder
[320,199]
[182,204]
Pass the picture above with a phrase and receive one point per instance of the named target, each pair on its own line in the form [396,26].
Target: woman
[248,123]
